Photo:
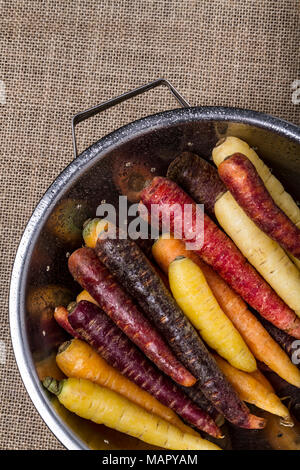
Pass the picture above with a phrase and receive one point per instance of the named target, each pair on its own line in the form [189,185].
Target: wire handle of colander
[83,115]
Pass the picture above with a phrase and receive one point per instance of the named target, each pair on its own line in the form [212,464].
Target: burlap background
[59,57]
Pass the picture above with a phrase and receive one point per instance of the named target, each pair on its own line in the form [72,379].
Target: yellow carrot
[232,145]
[84,295]
[253,391]
[259,376]
[262,345]
[194,296]
[78,360]
[104,406]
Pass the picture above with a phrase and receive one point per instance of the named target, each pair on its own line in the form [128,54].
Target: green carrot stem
[64,346]
[53,385]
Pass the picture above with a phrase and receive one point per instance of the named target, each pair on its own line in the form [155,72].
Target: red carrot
[134,271]
[248,189]
[96,328]
[93,276]
[221,253]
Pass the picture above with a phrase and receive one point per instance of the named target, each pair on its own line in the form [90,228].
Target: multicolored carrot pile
[282,199]
[223,255]
[259,339]
[77,359]
[130,266]
[248,189]
[163,340]
[93,276]
[98,330]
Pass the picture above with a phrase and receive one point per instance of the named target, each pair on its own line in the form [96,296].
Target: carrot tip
[255,422]
[215,432]
[287,421]
[188,382]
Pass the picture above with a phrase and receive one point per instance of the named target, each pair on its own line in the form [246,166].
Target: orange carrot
[78,360]
[264,348]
